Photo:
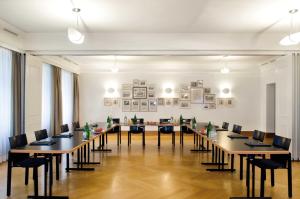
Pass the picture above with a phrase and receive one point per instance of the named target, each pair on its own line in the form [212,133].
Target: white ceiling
[170,63]
[160,16]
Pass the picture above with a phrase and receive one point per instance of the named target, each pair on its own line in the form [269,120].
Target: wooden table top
[64,145]
[237,146]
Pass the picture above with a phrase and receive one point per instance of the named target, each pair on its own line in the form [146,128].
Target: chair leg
[144,139]
[158,138]
[194,139]
[173,138]
[253,180]
[290,188]
[120,136]
[9,172]
[262,183]
[36,182]
[272,178]
[26,175]
[45,178]
[106,138]
[57,167]
[128,138]
[241,167]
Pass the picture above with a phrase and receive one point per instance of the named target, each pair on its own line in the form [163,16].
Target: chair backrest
[64,128]
[165,121]
[139,120]
[283,143]
[41,134]
[258,135]
[116,120]
[237,129]
[166,129]
[136,129]
[187,121]
[75,125]
[18,141]
[225,125]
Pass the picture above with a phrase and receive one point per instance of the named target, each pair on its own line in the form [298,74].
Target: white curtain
[5,101]
[67,97]
[47,98]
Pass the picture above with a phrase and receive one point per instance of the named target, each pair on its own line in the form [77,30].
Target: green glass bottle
[209,128]
[181,120]
[87,131]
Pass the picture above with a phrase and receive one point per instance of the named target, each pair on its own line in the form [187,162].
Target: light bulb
[75,36]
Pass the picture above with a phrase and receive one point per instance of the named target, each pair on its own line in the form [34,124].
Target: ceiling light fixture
[74,35]
[291,38]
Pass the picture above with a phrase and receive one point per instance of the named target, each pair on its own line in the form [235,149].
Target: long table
[67,146]
[221,144]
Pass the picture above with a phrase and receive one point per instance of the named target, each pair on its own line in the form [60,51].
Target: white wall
[245,90]
[280,73]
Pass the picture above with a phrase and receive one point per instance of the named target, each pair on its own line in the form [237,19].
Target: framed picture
[115,102]
[151,87]
[161,101]
[194,85]
[209,98]
[168,102]
[184,104]
[228,102]
[151,94]
[136,82]
[185,96]
[197,96]
[209,106]
[108,101]
[139,92]
[126,104]
[143,83]
[144,105]
[126,86]
[199,83]
[127,94]
[184,88]
[135,105]
[175,101]
[220,101]
[152,105]
[207,90]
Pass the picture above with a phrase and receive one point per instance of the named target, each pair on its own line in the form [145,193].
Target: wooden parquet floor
[150,173]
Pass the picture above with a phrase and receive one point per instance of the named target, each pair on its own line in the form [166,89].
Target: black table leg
[80,163]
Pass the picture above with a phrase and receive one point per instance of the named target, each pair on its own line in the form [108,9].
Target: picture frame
[228,102]
[151,94]
[152,105]
[144,105]
[175,101]
[220,101]
[126,86]
[185,96]
[199,83]
[161,101]
[126,94]
[168,102]
[184,88]
[207,90]
[143,83]
[115,102]
[184,104]
[151,87]
[126,105]
[139,92]
[209,98]
[136,82]
[194,84]
[209,106]
[108,102]
[135,105]
[197,96]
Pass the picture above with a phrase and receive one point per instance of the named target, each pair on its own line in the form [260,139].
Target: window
[67,97]
[5,101]
[47,98]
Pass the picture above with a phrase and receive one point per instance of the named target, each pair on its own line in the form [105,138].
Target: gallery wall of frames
[141,96]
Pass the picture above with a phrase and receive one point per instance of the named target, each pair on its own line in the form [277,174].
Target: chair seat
[266,163]
[33,162]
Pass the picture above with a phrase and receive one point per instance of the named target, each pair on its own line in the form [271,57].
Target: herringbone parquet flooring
[150,173]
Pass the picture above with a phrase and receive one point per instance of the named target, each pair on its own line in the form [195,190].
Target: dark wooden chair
[139,120]
[24,160]
[276,161]
[64,128]
[115,130]
[258,135]
[237,129]
[224,127]
[40,135]
[136,129]
[185,130]
[166,130]
[76,126]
